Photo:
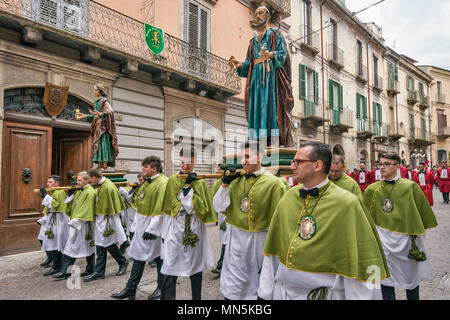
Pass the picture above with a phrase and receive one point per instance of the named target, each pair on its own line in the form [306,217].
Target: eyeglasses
[387,164]
[297,162]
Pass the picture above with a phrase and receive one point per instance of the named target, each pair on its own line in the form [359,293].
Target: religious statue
[103,130]
[268,92]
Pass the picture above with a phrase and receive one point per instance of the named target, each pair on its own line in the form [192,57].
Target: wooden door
[24,147]
[71,152]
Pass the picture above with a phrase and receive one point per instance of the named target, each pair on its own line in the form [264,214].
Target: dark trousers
[389,293]
[220,262]
[114,251]
[160,276]
[69,261]
[137,270]
[168,290]
[445,196]
[49,256]
[56,257]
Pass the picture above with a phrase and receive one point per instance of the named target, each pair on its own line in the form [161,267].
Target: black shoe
[124,294]
[216,271]
[47,263]
[122,269]
[51,271]
[86,273]
[61,276]
[155,295]
[94,276]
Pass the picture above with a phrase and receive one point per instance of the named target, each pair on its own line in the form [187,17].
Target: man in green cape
[186,250]
[402,214]
[341,179]
[56,227]
[108,227]
[320,244]
[146,244]
[248,201]
[80,243]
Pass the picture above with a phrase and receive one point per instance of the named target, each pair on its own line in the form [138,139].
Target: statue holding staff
[268,92]
[103,130]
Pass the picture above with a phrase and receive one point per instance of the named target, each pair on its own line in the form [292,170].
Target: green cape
[82,205]
[109,201]
[264,193]
[202,199]
[344,242]
[349,184]
[150,197]
[411,213]
[285,182]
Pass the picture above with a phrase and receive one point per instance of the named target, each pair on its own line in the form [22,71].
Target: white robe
[146,250]
[60,227]
[280,283]
[42,221]
[115,223]
[177,261]
[405,273]
[239,278]
[76,245]
[129,213]
[222,234]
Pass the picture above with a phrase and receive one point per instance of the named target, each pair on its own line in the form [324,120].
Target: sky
[416,28]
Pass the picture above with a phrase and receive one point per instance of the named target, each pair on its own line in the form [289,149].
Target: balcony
[361,72]
[440,98]
[394,133]
[392,87]
[424,102]
[412,97]
[313,114]
[443,132]
[377,83]
[335,57]
[365,129]
[282,7]
[341,121]
[121,38]
[309,40]
[381,132]
[419,138]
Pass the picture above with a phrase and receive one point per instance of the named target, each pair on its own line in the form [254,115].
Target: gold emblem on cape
[387,205]
[141,195]
[245,205]
[306,228]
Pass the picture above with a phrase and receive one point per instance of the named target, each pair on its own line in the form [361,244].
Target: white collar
[258,173]
[395,179]
[324,182]
[155,176]
[102,180]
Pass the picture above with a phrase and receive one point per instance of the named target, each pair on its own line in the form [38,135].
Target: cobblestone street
[21,276]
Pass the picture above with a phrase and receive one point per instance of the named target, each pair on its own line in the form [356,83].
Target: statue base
[114,176]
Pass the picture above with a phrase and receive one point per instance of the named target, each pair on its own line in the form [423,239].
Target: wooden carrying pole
[74,187]
[212,175]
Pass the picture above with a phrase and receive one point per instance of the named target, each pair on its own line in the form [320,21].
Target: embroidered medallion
[245,205]
[387,205]
[141,195]
[306,228]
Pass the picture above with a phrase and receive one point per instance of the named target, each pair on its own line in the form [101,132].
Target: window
[64,14]
[335,95]
[410,83]
[375,71]
[361,107]
[359,55]
[377,113]
[197,25]
[392,72]
[307,22]
[439,88]
[333,39]
[309,84]
[421,93]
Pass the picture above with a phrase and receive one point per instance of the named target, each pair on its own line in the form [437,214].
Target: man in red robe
[410,173]
[363,177]
[291,181]
[376,173]
[425,180]
[443,179]
[402,172]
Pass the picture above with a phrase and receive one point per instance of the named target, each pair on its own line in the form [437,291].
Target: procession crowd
[321,233]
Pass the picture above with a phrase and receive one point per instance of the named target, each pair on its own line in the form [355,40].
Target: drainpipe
[372,148]
[323,67]
[396,116]
[430,114]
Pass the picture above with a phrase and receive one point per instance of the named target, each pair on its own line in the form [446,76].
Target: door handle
[26,175]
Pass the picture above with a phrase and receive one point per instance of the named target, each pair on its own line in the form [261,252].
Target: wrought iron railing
[440,98]
[412,96]
[361,71]
[419,134]
[309,36]
[336,54]
[365,126]
[392,84]
[342,118]
[99,25]
[377,82]
[381,130]
[315,110]
[443,131]
[424,101]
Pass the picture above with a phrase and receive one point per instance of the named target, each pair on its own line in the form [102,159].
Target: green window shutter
[423,123]
[302,82]
[421,89]
[395,73]
[364,108]
[330,93]
[375,111]
[316,87]
[412,84]
[380,114]
[358,107]
[341,98]
[390,70]
[411,121]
